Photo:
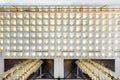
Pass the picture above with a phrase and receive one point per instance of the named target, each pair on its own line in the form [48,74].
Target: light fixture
[52,35]
[7,54]
[65,15]
[20,54]
[84,48]
[109,54]
[52,15]
[90,54]
[60,29]
[71,47]
[46,54]
[103,55]
[65,54]
[77,41]
[1,16]
[71,35]
[39,22]
[65,41]
[72,41]
[52,47]
[71,15]
[26,15]
[77,47]
[58,54]
[78,15]
[65,29]
[7,48]
[46,47]
[78,29]
[39,41]
[26,48]
[116,55]
[40,54]
[58,47]
[26,54]
[45,41]
[77,54]
[14,54]
[83,54]
[32,16]
[71,54]
[46,35]
[19,15]
[97,54]
[45,15]
[33,54]
[32,48]
[52,54]
[39,15]
[58,41]
[58,15]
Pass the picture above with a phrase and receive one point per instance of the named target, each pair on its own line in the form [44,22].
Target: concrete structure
[59,61]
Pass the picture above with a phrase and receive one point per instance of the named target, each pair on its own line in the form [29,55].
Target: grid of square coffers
[60,33]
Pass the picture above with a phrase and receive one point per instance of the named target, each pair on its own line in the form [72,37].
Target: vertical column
[77,72]
[40,71]
[117,66]
[1,65]
[58,68]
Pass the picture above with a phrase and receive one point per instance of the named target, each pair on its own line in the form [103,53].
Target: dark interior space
[48,69]
[70,68]
[108,63]
[9,63]
[71,71]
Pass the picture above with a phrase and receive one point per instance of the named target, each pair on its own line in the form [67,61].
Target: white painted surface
[1,65]
[117,66]
[59,2]
[58,68]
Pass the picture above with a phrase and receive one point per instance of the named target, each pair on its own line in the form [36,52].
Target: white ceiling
[59,2]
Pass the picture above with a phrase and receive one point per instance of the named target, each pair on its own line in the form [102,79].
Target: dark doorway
[71,69]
